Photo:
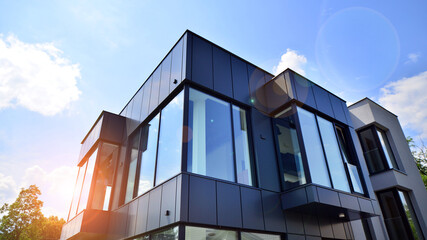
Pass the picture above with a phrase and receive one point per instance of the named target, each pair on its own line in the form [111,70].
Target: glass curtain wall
[218,139]
[150,134]
[290,160]
[87,182]
[170,139]
[313,148]
[327,152]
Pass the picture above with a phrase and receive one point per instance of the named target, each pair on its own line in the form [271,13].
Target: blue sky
[63,62]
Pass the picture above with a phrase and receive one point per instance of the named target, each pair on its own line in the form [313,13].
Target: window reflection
[87,181]
[289,153]
[133,161]
[210,148]
[77,191]
[198,233]
[333,155]
[104,176]
[313,148]
[170,139]
[148,157]
[241,144]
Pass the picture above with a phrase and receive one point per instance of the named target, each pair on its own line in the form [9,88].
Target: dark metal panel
[182,201]
[348,230]
[155,87]
[112,127]
[131,218]
[339,231]
[256,83]
[117,223]
[165,76]
[349,202]
[294,222]
[267,169]
[240,80]
[304,90]
[337,107]
[146,99]
[202,62]
[222,72]
[252,208]
[365,205]
[294,198]
[167,213]
[141,217]
[176,66]
[328,197]
[312,195]
[202,201]
[290,85]
[312,238]
[185,57]
[188,47]
[273,213]
[347,114]
[325,227]
[295,237]
[311,225]
[229,205]
[154,208]
[276,93]
[322,100]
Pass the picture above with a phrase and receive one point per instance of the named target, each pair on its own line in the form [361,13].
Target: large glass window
[210,148]
[241,146]
[170,139]
[218,143]
[104,176]
[313,148]
[259,236]
[328,153]
[290,160]
[87,182]
[333,155]
[77,191]
[199,233]
[133,161]
[148,155]
[377,150]
[399,216]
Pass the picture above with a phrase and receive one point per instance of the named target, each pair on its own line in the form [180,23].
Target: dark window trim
[373,128]
[400,207]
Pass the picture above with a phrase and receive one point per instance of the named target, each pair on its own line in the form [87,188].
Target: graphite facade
[213,147]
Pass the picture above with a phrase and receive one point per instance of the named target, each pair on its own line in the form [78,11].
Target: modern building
[213,147]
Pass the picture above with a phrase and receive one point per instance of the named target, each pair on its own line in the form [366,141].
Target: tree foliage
[24,220]
[420,156]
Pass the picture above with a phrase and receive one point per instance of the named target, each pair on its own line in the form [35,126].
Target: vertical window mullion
[157,148]
[380,148]
[233,143]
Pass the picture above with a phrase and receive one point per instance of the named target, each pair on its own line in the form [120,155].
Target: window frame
[232,103]
[350,148]
[401,210]
[374,128]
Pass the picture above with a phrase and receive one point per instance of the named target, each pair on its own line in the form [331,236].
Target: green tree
[24,220]
[420,156]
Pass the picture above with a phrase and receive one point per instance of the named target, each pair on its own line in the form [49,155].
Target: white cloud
[291,59]
[413,58]
[36,76]
[8,189]
[407,98]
